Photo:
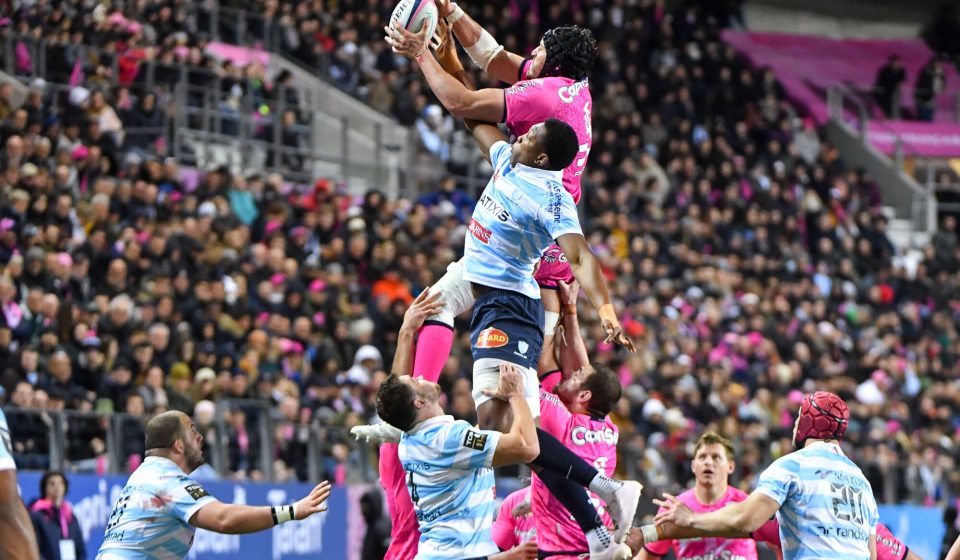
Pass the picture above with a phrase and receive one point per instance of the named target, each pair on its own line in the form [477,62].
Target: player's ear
[542,160]
[731,466]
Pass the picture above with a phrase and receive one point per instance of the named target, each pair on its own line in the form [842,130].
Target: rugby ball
[414,14]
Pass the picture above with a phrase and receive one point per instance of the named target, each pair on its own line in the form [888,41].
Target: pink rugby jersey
[531,102]
[509,531]
[595,441]
[889,547]
[709,548]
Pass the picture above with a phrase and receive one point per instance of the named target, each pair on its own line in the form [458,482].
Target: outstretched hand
[425,306]
[616,335]
[412,45]
[313,502]
[511,383]
[673,511]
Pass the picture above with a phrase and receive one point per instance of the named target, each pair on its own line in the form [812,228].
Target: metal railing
[337,148]
[101,442]
[918,203]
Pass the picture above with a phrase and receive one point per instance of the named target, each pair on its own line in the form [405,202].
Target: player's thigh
[493,413]
[457,294]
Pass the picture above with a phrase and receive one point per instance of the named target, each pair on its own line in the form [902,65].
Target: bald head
[164,429]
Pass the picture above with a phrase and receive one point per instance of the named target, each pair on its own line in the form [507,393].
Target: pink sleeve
[553,414]
[769,533]
[503,526]
[550,380]
[528,103]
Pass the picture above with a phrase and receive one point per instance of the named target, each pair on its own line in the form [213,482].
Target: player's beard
[195,458]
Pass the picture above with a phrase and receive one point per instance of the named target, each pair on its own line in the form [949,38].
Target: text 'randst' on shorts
[553,268]
[506,326]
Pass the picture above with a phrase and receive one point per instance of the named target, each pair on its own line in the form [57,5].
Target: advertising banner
[323,535]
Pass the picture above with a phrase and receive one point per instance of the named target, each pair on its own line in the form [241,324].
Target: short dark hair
[164,429]
[395,403]
[570,52]
[605,389]
[560,143]
[46,478]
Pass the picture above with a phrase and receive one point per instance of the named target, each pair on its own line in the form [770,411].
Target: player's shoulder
[735,494]
[689,497]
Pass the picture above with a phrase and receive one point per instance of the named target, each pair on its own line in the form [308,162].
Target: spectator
[930,82]
[58,532]
[886,88]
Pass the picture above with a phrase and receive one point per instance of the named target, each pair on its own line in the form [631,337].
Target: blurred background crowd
[749,263]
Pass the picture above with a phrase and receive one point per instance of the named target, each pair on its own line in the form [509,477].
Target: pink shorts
[553,267]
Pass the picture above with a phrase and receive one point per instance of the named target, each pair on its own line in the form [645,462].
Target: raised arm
[572,350]
[520,444]
[480,46]
[424,306]
[237,519]
[486,105]
[735,520]
[587,270]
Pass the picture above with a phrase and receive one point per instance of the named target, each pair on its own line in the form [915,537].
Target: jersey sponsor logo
[492,338]
[582,436]
[481,233]
[843,532]
[196,491]
[520,87]
[888,542]
[556,201]
[569,93]
[474,440]
[495,208]
[722,555]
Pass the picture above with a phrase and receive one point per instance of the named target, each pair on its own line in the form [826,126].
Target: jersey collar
[535,172]
[430,422]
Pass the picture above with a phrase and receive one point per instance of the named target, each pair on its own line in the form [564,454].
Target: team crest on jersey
[481,233]
[522,348]
[196,491]
[474,440]
[492,338]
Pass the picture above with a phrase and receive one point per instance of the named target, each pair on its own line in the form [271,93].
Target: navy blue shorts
[507,325]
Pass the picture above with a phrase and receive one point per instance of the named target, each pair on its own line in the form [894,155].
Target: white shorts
[457,294]
[486,375]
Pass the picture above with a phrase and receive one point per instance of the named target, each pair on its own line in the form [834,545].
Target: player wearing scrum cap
[824,504]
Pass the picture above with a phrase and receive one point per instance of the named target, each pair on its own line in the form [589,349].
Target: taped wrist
[282,514]
[650,534]
[484,50]
[456,14]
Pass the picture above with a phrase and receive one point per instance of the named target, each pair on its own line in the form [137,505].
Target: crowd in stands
[749,264]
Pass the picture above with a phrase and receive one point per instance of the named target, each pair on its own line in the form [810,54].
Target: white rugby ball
[414,14]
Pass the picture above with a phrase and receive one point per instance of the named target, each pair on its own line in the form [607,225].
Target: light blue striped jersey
[521,212]
[448,468]
[6,446]
[827,509]
[151,520]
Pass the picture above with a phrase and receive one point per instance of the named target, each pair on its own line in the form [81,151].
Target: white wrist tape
[649,533]
[550,320]
[456,14]
[282,514]
[483,51]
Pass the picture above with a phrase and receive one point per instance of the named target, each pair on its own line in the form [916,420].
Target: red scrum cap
[823,415]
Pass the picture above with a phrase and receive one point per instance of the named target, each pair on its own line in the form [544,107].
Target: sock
[433,349]
[604,487]
[598,539]
[554,456]
[575,499]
